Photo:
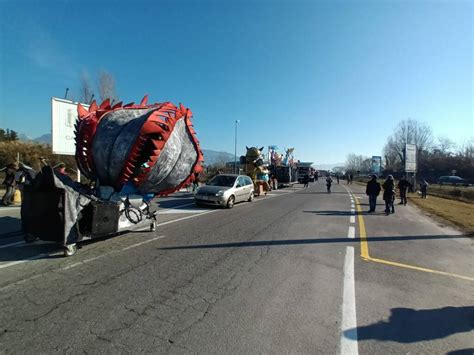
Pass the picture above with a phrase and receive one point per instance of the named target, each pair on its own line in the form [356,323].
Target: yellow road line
[364,252]
[364,246]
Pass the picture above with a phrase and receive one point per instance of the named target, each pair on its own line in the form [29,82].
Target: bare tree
[86,91]
[356,163]
[408,131]
[106,86]
[445,145]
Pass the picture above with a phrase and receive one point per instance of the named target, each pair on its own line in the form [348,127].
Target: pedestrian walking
[424,188]
[351,178]
[337,178]
[373,190]
[403,186]
[389,195]
[10,184]
[328,183]
[306,180]
[274,181]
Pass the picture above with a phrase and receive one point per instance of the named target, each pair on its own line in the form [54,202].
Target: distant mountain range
[210,156]
[328,166]
[44,139]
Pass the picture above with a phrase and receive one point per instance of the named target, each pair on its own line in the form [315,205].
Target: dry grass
[457,212]
[460,193]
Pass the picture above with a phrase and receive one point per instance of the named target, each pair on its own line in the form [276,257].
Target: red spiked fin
[104,104]
[81,111]
[144,100]
[93,106]
[117,105]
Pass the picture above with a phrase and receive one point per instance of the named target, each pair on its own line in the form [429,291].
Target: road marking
[351,232]
[112,252]
[175,207]
[9,208]
[349,317]
[3,266]
[364,253]
[184,218]
[184,211]
[353,219]
[353,211]
[158,225]
[12,244]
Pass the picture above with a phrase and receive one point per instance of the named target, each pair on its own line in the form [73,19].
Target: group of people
[17,175]
[11,182]
[389,192]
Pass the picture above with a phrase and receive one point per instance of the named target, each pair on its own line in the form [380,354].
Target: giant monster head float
[154,146]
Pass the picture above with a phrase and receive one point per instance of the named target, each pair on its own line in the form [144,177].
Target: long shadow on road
[407,325]
[26,251]
[345,240]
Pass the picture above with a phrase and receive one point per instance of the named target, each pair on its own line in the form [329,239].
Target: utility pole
[65,95]
[235,147]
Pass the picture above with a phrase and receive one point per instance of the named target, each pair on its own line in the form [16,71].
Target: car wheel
[251,197]
[230,202]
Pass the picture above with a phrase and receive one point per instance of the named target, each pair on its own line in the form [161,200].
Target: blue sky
[326,77]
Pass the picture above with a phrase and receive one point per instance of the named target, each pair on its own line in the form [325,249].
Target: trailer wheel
[70,250]
[29,238]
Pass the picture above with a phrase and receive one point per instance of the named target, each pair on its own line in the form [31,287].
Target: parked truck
[305,169]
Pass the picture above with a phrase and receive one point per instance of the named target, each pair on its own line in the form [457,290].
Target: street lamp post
[235,148]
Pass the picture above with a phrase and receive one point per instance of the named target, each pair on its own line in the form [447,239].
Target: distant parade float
[129,153]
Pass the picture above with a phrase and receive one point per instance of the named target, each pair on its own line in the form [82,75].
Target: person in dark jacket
[306,180]
[424,188]
[389,194]
[403,186]
[10,184]
[373,190]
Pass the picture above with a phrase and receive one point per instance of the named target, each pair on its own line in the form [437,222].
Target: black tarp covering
[51,206]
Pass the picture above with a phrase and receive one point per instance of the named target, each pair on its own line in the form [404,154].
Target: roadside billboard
[376,164]
[410,158]
[63,118]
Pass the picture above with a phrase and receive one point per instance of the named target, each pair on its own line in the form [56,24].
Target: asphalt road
[298,271]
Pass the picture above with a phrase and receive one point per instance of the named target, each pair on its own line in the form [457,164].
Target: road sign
[410,158]
[63,118]
[376,165]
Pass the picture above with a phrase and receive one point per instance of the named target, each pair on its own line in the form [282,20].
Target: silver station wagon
[225,190]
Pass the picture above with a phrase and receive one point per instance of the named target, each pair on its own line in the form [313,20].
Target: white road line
[23,260]
[351,232]
[175,207]
[184,211]
[12,244]
[158,225]
[188,217]
[349,318]
[353,219]
[111,252]
[9,208]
